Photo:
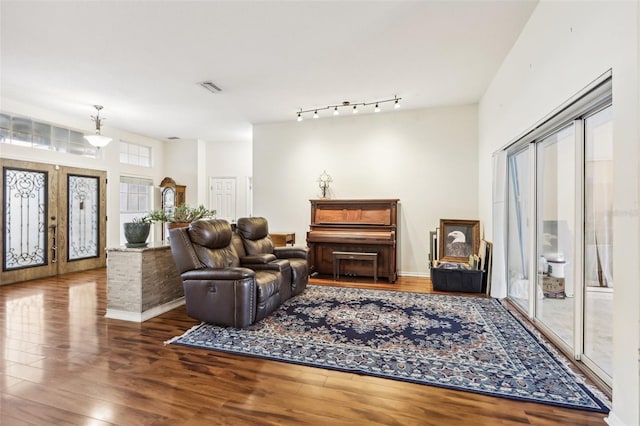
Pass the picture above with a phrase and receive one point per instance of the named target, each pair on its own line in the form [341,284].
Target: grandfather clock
[173,195]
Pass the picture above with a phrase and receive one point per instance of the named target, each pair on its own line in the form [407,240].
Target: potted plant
[181,216]
[137,231]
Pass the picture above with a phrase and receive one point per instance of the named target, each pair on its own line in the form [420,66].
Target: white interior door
[223,196]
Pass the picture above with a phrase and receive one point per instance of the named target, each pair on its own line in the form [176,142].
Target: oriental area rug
[456,342]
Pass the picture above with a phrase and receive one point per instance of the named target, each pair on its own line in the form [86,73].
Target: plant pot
[136,234]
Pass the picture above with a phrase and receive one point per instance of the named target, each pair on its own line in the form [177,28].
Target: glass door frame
[577,260]
[580,325]
[512,155]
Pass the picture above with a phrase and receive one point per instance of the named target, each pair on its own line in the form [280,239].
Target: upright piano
[353,226]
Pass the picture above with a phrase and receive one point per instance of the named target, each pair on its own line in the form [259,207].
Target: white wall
[188,162]
[563,47]
[108,161]
[181,164]
[231,159]
[427,158]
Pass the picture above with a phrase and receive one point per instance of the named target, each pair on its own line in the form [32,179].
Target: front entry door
[53,220]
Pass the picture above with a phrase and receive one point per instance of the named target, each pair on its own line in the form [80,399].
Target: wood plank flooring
[64,363]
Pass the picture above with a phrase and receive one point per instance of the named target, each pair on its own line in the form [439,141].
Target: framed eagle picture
[458,239]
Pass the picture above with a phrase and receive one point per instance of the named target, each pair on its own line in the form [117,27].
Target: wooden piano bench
[352,255]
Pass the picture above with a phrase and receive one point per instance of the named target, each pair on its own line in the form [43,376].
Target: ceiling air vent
[173,138]
[210,86]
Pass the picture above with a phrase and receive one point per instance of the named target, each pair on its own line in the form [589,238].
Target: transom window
[24,131]
[135,154]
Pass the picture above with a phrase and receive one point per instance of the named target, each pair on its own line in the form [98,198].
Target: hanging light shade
[96,139]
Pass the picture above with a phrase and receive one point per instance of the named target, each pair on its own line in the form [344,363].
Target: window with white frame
[135,200]
[135,154]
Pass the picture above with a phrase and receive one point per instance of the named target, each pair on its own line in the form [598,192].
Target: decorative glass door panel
[25,226]
[83,210]
[27,243]
[82,239]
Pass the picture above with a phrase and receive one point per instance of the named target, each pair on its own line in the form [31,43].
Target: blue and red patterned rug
[464,343]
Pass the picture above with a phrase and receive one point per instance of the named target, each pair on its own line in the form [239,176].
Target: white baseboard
[413,274]
[613,420]
[143,316]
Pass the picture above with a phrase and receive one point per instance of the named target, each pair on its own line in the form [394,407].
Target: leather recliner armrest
[218,274]
[298,252]
[275,265]
[257,259]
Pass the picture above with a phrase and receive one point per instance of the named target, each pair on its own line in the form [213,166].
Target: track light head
[397,104]
[377,108]
[315,114]
[299,116]
[355,109]
[335,111]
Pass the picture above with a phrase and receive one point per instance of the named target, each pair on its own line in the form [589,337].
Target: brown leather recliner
[219,289]
[254,232]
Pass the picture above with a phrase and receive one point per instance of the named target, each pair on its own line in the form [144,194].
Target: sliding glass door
[555,232]
[598,239]
[518,234]
[559,230]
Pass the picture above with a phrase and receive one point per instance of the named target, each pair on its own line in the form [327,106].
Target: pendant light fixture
[96,139]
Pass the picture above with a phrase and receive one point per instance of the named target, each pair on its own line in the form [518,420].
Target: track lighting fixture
[355,107]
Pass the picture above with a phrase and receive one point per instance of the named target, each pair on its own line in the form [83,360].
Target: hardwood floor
[64,363]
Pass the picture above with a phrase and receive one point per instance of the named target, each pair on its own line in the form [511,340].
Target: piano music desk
[352,255]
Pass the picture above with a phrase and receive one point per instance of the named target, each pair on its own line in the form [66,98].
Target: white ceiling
[142,59]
